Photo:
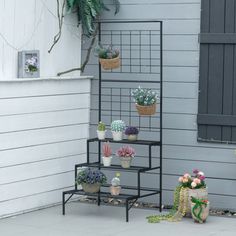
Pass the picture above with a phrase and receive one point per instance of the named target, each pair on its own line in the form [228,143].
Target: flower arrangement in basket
[132,133]
[117,128]
[145,100]
[109,57]
[125,153]
[189,187]
[91,180]
[107,154]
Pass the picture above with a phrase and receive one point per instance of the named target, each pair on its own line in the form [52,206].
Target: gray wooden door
[217,83]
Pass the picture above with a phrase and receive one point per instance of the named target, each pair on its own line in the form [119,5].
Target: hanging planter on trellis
[145,100]
[109,57]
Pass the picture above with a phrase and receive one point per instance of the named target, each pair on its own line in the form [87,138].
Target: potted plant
[101,131]
[117,128]
[115,185]
[91,180]
[125,153]
[145,100]
[132,133]
[108,57]
[193,186]
[199,209]
[107,154]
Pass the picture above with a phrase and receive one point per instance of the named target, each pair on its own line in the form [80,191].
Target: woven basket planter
[108,64]
[146,110]
[91,188]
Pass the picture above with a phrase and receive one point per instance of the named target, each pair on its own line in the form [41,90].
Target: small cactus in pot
[101,131]
[107,154]
[132,133]
[115,185]
[117,128]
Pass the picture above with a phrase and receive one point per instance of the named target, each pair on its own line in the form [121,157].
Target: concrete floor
[90,220]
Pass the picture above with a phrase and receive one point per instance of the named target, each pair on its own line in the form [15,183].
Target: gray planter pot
[125,162]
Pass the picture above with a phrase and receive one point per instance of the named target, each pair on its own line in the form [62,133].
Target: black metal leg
[160,201]
[127,210]
[99,200]
[63,204]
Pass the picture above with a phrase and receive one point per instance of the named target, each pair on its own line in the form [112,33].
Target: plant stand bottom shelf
[129,199]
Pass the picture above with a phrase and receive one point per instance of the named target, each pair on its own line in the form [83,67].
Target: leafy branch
[88,12]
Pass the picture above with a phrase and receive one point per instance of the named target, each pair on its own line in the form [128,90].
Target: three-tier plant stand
[140,45]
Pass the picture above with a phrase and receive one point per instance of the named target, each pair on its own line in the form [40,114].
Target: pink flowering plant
[125,151]
[194,182]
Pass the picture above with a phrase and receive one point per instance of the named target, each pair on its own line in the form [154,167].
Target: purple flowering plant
[31,64]
[91,176]
[131,130]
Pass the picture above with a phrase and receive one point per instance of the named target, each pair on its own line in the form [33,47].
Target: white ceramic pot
[101,134]
[106,161]
[125,162]
[117,136]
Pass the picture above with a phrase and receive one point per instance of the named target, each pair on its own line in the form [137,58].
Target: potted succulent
[115,185]
[101,131]
[199,209]
[108,57]
[132,133]
[107,154]
[91,180]
[145,100]
[125,153]
[117,128]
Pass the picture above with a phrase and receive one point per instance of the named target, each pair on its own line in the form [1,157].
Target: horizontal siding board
[40,136]
[43,88]
[39,169]
[43,104]
[43,120]
[36,186]
[42,152]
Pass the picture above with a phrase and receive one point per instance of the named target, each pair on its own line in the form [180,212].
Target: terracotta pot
[203,215]
[125,162]
[115,190]
[91,188]
[146,110]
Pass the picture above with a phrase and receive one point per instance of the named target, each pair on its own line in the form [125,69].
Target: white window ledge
[63,78]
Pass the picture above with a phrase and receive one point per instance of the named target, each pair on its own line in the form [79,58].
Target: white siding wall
[43,124]
[181,151]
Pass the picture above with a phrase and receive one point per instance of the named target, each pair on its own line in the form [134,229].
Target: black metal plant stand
[141,60]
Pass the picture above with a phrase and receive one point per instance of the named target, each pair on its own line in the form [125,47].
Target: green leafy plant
[106,52]
[144,96]
[101,126]
[88,12]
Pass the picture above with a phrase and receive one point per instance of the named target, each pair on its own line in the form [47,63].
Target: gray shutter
[217,81]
